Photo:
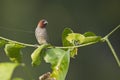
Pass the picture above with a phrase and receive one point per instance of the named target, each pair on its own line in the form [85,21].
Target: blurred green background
[19,18]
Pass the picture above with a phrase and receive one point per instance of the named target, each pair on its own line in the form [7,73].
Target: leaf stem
[113,51]
[30,45]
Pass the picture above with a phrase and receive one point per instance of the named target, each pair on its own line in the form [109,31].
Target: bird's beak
[45,22]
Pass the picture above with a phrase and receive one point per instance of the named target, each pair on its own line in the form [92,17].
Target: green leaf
[65,33]
[59,59]
[37,55]
[87,34]
[81,39]
[13,51]
[75,37]
[6,70]
[2,43]
[65,42]
[91,39]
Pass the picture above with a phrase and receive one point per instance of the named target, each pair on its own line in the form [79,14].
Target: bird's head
[42,23]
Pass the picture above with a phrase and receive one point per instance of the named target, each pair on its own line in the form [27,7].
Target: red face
[42,23]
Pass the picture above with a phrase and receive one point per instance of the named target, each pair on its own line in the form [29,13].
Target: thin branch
[78,45]
[112,31]
[113,52]
[30,45]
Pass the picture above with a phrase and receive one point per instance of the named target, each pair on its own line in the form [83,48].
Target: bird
[41,32]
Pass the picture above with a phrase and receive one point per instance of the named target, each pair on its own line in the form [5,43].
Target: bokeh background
[19,18]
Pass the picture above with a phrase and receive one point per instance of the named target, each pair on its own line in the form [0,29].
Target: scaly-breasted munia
[41,32]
